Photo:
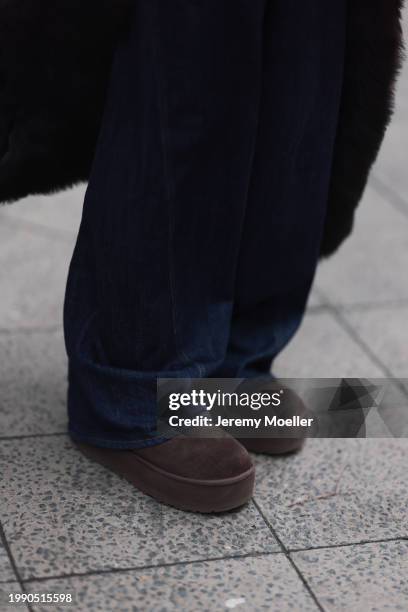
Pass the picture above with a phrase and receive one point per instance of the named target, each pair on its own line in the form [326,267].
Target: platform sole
[189,494]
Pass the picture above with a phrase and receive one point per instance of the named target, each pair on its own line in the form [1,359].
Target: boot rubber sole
[189,494]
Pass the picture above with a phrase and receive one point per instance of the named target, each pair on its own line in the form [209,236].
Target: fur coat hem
[55,60]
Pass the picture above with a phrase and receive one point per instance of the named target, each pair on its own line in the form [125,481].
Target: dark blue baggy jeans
[203,217]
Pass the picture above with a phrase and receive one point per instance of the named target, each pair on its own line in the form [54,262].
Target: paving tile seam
[38,229]
[21,331]
[372,306]
[317,309]
[386,192]
[142,568]
[57,434]
[13,564]
[355,336]
[338,314]
[348,544]
[357,306]
[291,561]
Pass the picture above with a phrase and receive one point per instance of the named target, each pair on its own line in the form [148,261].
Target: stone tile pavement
[327,529]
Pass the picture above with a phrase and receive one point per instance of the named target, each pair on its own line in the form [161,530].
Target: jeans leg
[302,81]
[151,285]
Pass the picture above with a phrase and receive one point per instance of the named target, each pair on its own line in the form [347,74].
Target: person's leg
[302,81]
[151,284]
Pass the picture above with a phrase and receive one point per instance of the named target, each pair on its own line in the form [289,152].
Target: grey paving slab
[254,583]
[391,165]
[369,577]
[61,211]
[6,589]
[33,374]
[315,299]
[385,331]
[64,514]
[390,168]
[390,418]
[322,348]
[336,492]
[6,571]
[371,265]
[33,270]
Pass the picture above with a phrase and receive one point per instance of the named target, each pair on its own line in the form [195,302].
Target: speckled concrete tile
[6,589]
[322,348]
[370,577]
[6,571]
[33,272]
[33,383]
[336,492]
[385,331]
[369,266]
[64,514]
[61,211]
[254,583]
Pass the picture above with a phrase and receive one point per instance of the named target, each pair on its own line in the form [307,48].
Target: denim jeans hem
[116,444]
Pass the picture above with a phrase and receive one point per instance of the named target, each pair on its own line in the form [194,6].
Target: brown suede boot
[197,474]
[291,439]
